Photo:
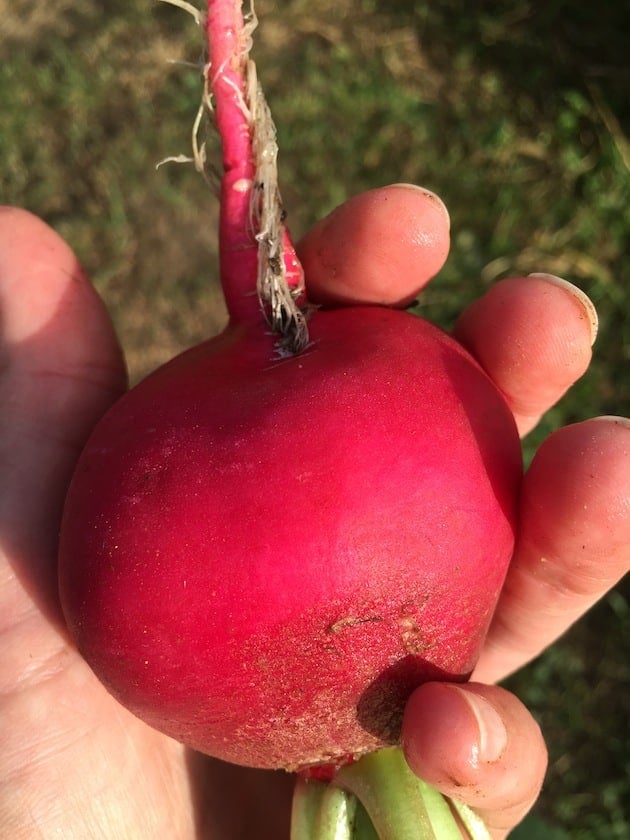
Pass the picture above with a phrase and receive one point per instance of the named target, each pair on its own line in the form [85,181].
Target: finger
[479,745]
[574,542]
[379,247]
[533,335]
[60,368]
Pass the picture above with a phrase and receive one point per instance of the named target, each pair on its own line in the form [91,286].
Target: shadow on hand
[238,802]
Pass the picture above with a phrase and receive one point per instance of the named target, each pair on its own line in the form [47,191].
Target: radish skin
[353,506]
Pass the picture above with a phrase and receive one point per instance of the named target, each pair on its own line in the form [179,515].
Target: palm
[89,754]
[102,760]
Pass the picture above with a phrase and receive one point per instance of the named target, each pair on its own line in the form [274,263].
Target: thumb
[477,744]
[61,367]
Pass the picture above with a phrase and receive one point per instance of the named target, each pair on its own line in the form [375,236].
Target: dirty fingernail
[579,295]
[614,420]
[431,196]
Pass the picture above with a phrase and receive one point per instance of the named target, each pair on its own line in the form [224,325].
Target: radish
[273,539]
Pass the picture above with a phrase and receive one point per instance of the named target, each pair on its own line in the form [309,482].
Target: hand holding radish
[74,762]
[284,548]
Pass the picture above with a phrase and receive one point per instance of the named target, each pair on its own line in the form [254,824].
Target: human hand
[77,763]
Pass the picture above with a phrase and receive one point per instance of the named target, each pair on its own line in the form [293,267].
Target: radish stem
[401,806]
[336,815]
[379,798]
[323,811]
[308,795]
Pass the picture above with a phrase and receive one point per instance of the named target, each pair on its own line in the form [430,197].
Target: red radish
[263,553]
[262,558]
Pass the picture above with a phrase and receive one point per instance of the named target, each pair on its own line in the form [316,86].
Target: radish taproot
[273,539]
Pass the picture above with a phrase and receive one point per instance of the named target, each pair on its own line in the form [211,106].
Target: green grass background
[516,113]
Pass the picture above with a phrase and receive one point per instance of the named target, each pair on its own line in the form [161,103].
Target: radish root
[196,13]
[279,281]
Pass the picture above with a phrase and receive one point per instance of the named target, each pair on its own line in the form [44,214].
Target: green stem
[363,825]
[472,822]
[336,817]
[308,795]
[379,798]
[323,812]
[401,806]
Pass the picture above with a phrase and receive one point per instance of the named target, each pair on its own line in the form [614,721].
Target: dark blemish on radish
[381,705]
[351,621]
[411,636]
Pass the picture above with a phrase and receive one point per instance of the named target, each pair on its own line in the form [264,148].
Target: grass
[518,116]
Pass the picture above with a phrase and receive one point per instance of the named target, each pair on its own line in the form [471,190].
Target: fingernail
[579,295]
[613,420]
[431,196]
[493,735]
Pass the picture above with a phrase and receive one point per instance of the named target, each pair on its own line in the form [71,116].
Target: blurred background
[517,115]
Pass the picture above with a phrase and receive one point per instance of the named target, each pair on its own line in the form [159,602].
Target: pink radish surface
[262,558]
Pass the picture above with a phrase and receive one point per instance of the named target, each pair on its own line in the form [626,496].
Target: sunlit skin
[76,764]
